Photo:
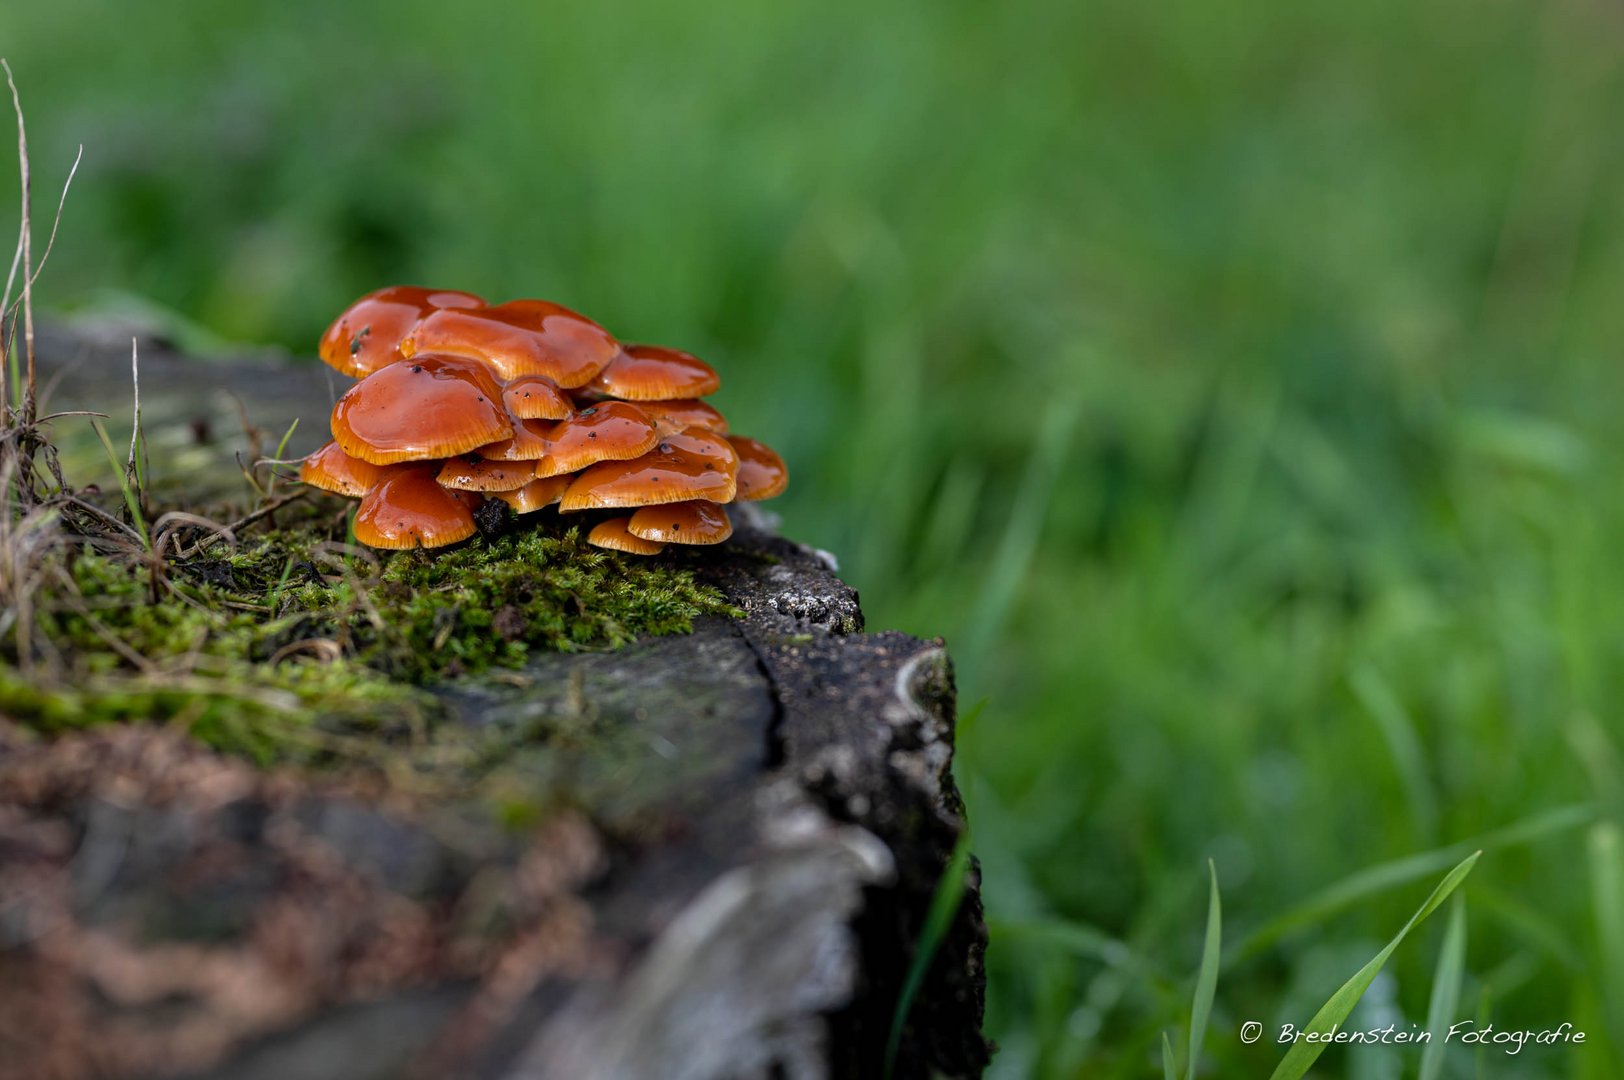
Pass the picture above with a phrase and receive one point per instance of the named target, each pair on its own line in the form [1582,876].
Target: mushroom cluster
[460,401]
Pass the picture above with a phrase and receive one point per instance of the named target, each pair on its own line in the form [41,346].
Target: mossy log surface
[740,831]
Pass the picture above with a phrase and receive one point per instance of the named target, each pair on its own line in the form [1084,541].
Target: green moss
[292,647]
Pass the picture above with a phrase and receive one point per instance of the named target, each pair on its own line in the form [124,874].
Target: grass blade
[131,499]
[1088,942]
[943,906]
[1169,1071]
[1606,857]
[1206,981]
[1390,875]
[1303,1054]
[1446,986]
[1398,731]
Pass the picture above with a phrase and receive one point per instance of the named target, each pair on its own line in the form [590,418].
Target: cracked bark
[754,835]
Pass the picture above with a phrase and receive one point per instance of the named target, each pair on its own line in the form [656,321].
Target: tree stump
[761,812]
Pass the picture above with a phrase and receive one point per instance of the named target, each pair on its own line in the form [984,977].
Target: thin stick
[266,511]
[27,243]
[61,205]
[8,310]
[132,469]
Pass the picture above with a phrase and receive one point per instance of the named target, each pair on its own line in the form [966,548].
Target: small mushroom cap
[762,473]
[418,409]
[521,337]
[536,397]
[535,495]
[655,373]
[694,464]
[528,442]
[367,335]
[612,431]
[331,469]
[691,522]
[471,472]
[409,509]
[614,535]
[681,414]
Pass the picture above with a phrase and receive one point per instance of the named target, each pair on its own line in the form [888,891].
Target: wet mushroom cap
[409,509]
[521,337]
[536,397]
[331,469]
[694,464]
[428,407]
[529,442]
[680,414]
[470,472]
[691,522]
[535,495]
[614,535]
[612,431]
[367,335]
[762,473]
[655,373]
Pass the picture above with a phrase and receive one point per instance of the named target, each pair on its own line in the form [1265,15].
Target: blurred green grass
[1233,385]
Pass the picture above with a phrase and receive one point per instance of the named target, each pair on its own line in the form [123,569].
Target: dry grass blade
[25,251]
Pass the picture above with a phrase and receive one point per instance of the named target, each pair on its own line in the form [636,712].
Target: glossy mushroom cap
[535,495]
[331,469]
[694,464]
[682,523]
[529,442]
[529,404]
[611,431]
[681,414]
[762,474]
[368,334]
[614,535]
[471,472]
[431,407]
[536,397]
[521,337]
[655,373]
[409,509]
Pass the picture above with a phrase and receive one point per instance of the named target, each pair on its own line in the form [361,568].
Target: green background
[1233,385]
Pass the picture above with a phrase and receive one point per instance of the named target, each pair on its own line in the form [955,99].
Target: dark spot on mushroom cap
[417,368]
[592,434]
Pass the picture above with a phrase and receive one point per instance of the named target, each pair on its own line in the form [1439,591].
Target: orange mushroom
[762,474]
[529,442]
[432,407]
[681,414]
[331,469]
[612,431]
[694,464]
[465,410]
[655,373]
[691,522]
[614,535]
[367,335]
[536,397]
[521,337]
[471,472]
[409,509]
[535,495]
